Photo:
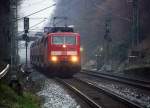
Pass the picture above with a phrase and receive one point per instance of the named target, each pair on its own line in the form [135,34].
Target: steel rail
[123,77]
[125,80]
[112,94]
[4,71]
[100,90]
[89,101]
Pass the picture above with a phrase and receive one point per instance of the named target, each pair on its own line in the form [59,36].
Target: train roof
[58,29]
[64,33]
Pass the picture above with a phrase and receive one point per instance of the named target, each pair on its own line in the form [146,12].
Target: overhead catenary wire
[37,24]
[64,11]
[37,18]
[34,18]
[36,29]
[35,12]
[32,26]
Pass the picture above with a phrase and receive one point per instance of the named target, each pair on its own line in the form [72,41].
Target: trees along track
[133,82]
[96,97]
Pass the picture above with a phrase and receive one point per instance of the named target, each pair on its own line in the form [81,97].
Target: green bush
[10,99]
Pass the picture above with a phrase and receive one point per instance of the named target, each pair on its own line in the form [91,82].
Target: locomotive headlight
[74,59]
[54,58]
[64,46]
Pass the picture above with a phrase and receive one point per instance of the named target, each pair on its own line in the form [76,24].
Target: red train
[57,52]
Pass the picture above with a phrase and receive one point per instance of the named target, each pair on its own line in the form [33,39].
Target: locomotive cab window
[70,40]
[64,40]
[58,40]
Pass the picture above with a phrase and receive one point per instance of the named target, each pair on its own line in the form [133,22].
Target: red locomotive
[58,51]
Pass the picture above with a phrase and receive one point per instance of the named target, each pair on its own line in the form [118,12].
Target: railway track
[96,97]
[4,71]
[133,82]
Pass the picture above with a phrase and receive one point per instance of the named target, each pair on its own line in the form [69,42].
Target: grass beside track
[10,99]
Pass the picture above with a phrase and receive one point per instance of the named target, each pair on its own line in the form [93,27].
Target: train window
[58,40]
[70,40]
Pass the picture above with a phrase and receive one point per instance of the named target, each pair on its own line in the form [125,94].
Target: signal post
[25,36]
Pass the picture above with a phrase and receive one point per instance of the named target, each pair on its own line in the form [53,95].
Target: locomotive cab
[64,49]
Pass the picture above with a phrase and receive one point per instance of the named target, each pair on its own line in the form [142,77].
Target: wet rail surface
[95,96]
[4,68]
[133,82]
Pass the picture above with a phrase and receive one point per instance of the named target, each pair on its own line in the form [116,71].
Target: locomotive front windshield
[71,40]
[58,40]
